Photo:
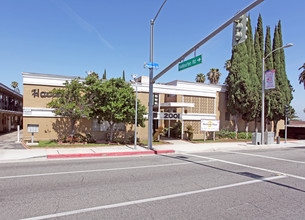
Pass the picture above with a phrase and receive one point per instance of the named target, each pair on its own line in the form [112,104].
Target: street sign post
[189,63]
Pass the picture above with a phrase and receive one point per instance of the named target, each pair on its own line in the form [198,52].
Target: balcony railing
[7,107]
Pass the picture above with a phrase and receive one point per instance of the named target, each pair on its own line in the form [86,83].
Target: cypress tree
[123,75]
[260,31]
[237,82]
[251,102]
[104,75]
[258,56]
[276,97]
[268,49]
[268,66]
[288,95]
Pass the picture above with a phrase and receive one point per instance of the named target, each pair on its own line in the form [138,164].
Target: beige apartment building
[187,102]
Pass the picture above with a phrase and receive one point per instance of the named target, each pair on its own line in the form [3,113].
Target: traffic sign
[151,66]
[189,63]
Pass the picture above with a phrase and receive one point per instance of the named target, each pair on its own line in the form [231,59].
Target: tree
[123,75]
[260,31]
[14,84]
[258,56]
[200,78]
[69,102]
[227,65]
[249,113]
[268,66]
[289,95]
[214,76]
[113,101]
[275,97]
[237,82]
[104,75]
[302,76]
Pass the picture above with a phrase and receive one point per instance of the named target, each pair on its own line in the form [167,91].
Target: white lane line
[102,170]
[243,165]
[273,158]
[116,205]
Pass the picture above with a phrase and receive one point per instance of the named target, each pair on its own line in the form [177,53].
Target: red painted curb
[109,154]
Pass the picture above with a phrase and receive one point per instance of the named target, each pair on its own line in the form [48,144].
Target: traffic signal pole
[210,36]
[152,79]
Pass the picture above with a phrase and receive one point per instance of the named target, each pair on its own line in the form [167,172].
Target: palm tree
[14,84]
[302,75]
[214,76]
[200,78]
[228,65]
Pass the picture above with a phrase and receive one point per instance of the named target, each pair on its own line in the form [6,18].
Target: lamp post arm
[272,52]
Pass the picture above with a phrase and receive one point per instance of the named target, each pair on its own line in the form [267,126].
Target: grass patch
[53,144]
[221,140]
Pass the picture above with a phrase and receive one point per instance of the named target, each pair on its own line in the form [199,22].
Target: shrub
[77,138]
[131,139]
[176,130]
[159,131]
[243,135]
[90,139]
[190,132]
[225,133]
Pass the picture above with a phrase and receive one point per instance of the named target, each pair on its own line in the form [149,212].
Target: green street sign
[189,63]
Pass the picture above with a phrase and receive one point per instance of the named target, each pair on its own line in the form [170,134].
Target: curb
[54,156]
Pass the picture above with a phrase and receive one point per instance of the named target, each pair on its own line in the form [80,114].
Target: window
[104,126]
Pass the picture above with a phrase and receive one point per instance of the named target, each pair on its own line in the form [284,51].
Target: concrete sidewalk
[175,146]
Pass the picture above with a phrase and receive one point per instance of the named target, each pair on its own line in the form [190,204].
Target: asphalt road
[261,184]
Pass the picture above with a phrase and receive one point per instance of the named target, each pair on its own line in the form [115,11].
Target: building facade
[10,109]
[176,101]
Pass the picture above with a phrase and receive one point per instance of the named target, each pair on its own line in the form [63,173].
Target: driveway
[8,140]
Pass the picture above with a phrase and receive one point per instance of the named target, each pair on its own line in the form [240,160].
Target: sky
[70,37]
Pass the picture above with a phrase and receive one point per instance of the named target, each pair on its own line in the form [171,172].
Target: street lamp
[263,90]
[134,76]
[151,75]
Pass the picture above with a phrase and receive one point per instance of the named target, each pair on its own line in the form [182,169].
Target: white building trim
[39,112]
[176,105]
[176,87]
[46,79]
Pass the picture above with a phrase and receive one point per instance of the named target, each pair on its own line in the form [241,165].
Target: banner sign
[270,79]
[209,125]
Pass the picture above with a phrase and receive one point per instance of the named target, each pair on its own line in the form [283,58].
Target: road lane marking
[153,199]
[243,165]
[102,170]
[257,155]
